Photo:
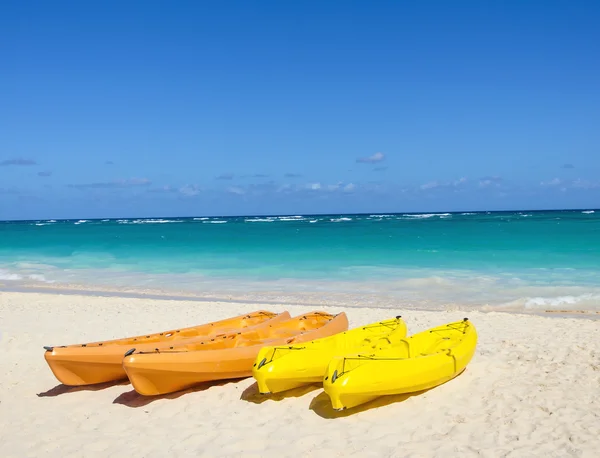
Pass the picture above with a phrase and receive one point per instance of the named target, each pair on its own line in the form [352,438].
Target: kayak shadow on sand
[252,395]
[321,405]
[134,399]
[64,389]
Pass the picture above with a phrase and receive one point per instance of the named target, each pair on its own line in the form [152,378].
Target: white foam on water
[33,265]
[201,219]
[339,220]
[561,301]
[215,222]
[427,215]
[10,276]
[427,288]
[81,221]
[39,277]
[465,214]
[148,221]
[259,220]
[290,218]
[44,222]
[313,220]
[5,275]
[588,212]
[568,302]
[156,221]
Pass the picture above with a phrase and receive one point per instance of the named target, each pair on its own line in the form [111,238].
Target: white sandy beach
[532,389]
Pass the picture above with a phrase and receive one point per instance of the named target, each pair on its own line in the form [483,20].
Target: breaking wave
[426,215]
[339,220]
[585,302]
[148,221]
[8,276]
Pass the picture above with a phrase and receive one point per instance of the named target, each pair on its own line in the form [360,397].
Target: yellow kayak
[281,368]
[419,362]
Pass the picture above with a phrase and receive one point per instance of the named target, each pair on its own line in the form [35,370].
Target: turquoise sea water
[525,259]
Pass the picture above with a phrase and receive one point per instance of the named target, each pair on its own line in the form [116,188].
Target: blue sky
[152,108]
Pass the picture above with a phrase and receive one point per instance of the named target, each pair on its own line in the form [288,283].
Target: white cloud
[377,157]
[284,187]
[430,185]
[487,182]
[336,187]
[443,184]
[585,184]
[189,190]
[553,182]
[236,190]
[565,185]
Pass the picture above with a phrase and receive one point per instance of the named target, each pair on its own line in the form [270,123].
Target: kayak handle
[334,376]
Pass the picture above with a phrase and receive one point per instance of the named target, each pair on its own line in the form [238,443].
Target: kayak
[224,357]
[281,368]
[98,362]
[419,362]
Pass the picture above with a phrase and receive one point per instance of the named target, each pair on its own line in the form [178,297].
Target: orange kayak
[98,362]
[224,357]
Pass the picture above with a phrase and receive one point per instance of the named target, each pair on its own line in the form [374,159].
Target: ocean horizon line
[289,214]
